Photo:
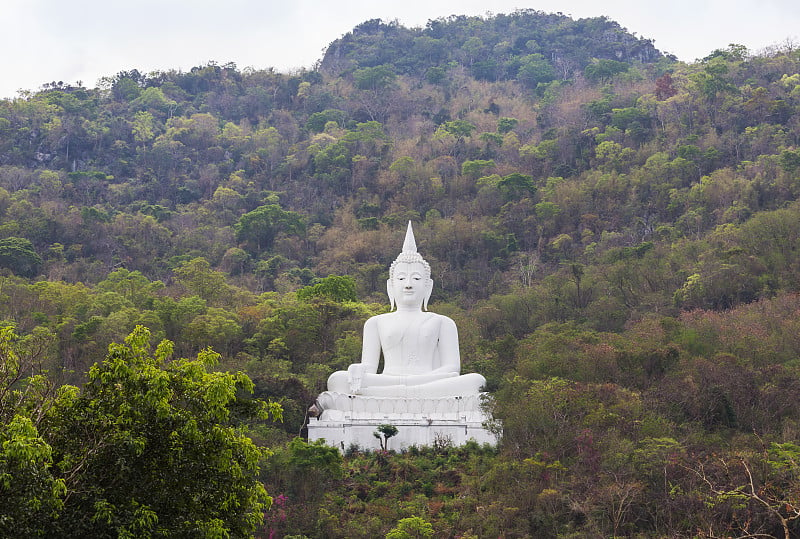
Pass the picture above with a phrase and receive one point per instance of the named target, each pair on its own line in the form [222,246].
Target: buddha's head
[410,283]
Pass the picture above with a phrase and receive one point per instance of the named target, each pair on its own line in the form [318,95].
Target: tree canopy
[149,446]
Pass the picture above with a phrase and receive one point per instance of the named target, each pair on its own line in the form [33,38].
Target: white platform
[352,419]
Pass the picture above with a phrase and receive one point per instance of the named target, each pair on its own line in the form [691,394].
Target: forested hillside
[615,233]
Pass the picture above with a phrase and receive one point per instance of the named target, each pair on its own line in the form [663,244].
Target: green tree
[156,447]
[604,70]
[153,98]
[460,129]
[383,434]
[29,491]
[199,279]
[506,125]
[132,285]
[535,70]
[516,185]
[411,528]
[336,287]
[476,168]
[125,86]
[143,127]
[374,78]
[257,229]
[216,328]
[316,122]
[176,314]
[18,255]
[713,83]
[790,160]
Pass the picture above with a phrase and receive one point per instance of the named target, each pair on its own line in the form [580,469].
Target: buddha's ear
[428,290]
[389,293]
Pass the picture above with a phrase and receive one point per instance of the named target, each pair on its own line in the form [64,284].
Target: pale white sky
[58,40]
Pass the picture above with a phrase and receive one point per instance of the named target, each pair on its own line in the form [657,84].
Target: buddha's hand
[355,374]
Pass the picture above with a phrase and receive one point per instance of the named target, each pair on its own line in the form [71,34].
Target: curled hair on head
[410,258]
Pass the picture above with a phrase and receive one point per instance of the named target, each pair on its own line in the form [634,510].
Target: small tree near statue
[383,434]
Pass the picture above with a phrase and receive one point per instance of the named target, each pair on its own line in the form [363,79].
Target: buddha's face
[409,285]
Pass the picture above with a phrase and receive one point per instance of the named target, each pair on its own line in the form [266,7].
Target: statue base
[348,420]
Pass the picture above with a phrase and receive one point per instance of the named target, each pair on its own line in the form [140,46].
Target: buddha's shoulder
[394,315]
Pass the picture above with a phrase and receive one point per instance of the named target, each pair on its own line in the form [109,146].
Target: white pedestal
[352,419]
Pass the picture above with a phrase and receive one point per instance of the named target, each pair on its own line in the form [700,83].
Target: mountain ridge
[496,44]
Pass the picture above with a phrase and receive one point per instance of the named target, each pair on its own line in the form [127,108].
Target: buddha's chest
[416,335]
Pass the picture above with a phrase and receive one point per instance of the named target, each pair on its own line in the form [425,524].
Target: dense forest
[615,233]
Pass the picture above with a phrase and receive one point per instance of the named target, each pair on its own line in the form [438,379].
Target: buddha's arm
[370,357]
[371,347]
[449,355]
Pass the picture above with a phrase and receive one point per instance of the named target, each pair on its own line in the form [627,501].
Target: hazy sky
[58,40]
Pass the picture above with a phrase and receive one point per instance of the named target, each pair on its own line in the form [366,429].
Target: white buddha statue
[420,348]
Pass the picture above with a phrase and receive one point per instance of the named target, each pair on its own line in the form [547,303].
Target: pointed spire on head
[409,244]
[410,254]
